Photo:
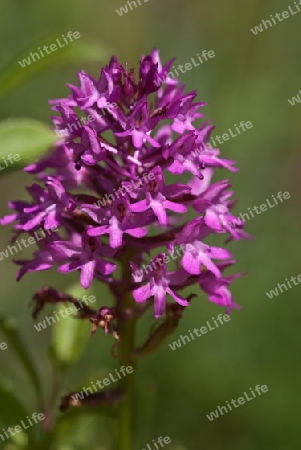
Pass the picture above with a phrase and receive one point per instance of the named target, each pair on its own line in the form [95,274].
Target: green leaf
[14,75]
[72,421]
[70,335]
[26,138]
[74,412]
[9,329]
[46,442]
[12,412]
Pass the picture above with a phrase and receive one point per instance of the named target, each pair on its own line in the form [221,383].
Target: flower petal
[159,293]
[142,293]
[182,301]
[159,211]
[86,274]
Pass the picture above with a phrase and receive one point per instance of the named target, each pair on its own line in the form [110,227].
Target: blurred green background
[250,79]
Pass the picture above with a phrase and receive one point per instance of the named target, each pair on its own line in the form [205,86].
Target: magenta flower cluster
[150,135]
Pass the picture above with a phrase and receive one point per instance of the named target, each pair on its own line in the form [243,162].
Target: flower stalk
[126,320]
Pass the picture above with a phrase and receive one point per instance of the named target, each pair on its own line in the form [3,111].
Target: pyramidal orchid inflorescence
[132,188]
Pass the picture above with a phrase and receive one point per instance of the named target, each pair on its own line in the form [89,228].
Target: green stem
[126,325]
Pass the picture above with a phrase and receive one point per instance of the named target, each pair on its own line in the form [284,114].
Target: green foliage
[70,335]
[15,342]
[13,76]
[13,413]
[25,137]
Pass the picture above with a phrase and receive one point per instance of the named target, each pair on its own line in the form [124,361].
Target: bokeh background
[251,79]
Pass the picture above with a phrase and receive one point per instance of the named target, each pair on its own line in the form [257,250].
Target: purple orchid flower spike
[143,144]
